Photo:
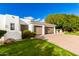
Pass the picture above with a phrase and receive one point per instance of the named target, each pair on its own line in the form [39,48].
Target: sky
[38,11]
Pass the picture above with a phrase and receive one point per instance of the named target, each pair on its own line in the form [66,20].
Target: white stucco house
[14,25]
[10,23]
[41,28]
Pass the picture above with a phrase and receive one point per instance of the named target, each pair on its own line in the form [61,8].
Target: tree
[67,22]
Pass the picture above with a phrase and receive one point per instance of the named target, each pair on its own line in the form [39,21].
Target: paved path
[69,42]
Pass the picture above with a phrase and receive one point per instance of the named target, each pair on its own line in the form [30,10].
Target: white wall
[2,22]
[15,34]
[12,19]
[5,21]
[28,20]
[43,29]
[31,27]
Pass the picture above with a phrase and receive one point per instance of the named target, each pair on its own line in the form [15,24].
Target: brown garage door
[38,29]
[48,30]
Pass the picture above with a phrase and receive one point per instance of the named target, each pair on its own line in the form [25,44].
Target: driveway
[68,42]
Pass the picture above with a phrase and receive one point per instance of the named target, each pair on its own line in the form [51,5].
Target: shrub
[33,34]
[28,34]
[2,32]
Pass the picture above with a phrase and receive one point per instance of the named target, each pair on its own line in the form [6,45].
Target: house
[10,23]
[15,25]
[40,28]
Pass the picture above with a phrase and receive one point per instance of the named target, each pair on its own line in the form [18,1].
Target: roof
[49,25]
[37,23]
[42,23]
[22,22]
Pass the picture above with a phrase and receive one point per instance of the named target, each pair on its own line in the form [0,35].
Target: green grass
[33,47]
[72,33]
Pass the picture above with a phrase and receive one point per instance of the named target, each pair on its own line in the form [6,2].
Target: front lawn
[72,33]
[33,47]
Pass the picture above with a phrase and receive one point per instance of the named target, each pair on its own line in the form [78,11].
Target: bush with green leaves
[2,32]
[28,34]
[66,22]
[33,34]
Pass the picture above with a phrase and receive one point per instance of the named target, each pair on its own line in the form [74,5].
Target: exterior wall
[2,22]
[13,35]
[43,29]
[16,33]
[28,22]
[31,27]
[12,19]
[54,29]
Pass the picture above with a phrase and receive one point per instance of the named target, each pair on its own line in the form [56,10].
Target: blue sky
[38,10]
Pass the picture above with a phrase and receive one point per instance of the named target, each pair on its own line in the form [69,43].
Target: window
[12,26]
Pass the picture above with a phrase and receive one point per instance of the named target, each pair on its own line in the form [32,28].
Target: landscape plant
[66,22]
[28,34]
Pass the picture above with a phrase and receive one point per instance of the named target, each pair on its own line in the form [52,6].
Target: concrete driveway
[68,42]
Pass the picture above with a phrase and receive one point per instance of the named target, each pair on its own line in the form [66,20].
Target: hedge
[28,34]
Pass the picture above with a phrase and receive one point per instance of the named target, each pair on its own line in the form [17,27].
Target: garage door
[49,30]
[38,29]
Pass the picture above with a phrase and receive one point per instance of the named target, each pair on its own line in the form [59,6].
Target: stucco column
[54,29]
[43,29]
[31,27]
